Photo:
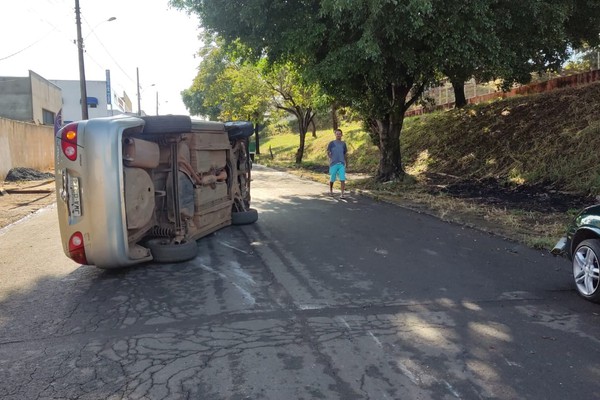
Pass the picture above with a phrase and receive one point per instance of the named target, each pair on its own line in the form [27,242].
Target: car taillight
[77,249]
[69,141]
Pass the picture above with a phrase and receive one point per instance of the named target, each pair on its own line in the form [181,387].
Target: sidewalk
[30,250]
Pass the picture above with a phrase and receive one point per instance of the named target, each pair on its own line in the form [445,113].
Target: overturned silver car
[136,189]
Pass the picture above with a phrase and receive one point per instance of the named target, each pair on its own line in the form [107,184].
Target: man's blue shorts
[339,170]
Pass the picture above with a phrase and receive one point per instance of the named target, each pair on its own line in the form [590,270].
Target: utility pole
[82,86]
[137,71]
[157,102]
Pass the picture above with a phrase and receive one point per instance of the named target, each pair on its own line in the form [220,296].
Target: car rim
[586,270]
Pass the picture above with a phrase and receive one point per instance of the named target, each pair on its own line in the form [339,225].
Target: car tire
[244,217]
[161,124]
[163,251]
[586,269]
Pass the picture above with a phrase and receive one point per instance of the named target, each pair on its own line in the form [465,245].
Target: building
[30,99]
[123,105]
[37,100]
[97,99]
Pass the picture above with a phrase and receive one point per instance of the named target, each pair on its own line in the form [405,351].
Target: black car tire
[244,217]
[158,124]
[163,251]
[586,269]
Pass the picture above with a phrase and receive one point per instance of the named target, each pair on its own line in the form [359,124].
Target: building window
[48,117]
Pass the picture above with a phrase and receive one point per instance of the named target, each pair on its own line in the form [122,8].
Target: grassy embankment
[550,141]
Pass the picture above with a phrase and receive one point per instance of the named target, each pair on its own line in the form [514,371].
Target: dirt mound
[27,174]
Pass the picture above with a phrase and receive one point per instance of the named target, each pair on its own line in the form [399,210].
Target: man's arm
[345,155]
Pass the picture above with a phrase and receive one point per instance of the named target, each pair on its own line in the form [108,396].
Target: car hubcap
[586,270]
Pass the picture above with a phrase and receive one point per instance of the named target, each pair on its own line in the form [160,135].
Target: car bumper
[560,248]
[101,216]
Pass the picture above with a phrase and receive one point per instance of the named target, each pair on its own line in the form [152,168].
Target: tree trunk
[390,159]
[314,128]
[334,117]
[460,100]
[300,152]
[304,120]
[256,141]
[389,127]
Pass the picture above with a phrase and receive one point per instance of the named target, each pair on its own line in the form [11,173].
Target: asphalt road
[322,298]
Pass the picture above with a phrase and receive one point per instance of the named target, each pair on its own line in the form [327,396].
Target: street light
[82,85]
[97,25]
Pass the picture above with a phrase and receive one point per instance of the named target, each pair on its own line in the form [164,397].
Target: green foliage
[226,87]
[545,139]
[587,58]
[279,126]
[379,55]
[362,156]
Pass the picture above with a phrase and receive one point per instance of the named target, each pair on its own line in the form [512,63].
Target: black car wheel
[162,124]
[586,269]
[244,217]
[163,251]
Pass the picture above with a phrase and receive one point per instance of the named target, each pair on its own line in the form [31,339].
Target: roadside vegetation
[507,164]
[380,57]
[519,167]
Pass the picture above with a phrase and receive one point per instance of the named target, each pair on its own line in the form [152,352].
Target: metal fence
[444,95]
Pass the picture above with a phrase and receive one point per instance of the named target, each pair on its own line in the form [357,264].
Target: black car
[581,245]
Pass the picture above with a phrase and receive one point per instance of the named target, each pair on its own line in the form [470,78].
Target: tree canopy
[227,87]
[296,96]
[230,87]
[379,55]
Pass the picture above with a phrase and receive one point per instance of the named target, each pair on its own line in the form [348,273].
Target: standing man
[338,160]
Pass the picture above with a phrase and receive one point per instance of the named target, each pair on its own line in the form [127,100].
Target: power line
[45,36]
[93,32]
[27,47]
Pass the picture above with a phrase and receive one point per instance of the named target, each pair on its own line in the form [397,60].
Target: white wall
[71,93]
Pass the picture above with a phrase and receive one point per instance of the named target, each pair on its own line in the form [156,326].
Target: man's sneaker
[342,196]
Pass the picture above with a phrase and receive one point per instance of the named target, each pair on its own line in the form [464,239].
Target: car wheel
[163,251]
[244,217]
[160,124]
[586,269]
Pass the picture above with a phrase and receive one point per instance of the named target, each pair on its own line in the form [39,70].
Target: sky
[147,36]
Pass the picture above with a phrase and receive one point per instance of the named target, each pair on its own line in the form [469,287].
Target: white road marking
[452,390]
[375,339]
[232,247]
[407,373]
[245,294]
[345,323]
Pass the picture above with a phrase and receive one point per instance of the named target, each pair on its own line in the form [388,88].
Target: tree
[510,40]
[379,55]
[370,55]
[227,88]
[587,58]
[297,97]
